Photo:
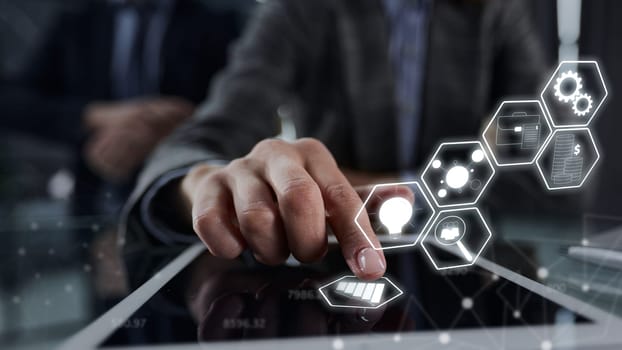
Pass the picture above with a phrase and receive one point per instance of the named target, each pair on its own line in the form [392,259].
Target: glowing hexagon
[568,158]
[394,226]
[456,238]
[516,132]
[458,173]
[350,292]
[574,93]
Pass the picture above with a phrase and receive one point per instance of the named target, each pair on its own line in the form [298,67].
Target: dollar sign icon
[577,149]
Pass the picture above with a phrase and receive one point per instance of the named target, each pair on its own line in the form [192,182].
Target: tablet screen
[216,300]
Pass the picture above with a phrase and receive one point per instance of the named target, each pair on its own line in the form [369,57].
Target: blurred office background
[49,287]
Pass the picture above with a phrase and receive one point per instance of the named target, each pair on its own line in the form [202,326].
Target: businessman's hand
[124,133]
[276,201]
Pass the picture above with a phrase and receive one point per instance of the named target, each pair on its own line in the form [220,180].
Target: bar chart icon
[349,291]
[370,292]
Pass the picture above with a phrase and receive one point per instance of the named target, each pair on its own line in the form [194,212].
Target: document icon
[519,130]
[567,160]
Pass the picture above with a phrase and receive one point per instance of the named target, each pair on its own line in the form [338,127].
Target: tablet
[198,301]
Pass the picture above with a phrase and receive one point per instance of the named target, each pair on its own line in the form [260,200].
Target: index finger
[342,204]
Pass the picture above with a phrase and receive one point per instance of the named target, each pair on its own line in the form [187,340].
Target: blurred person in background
[111,80]
[378,83]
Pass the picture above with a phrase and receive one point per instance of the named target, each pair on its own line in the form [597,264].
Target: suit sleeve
[262,73]
[34,102]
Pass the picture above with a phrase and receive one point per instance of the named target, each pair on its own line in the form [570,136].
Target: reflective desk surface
[50,291]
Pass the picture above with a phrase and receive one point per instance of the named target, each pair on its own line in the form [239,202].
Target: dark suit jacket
[332,56]
[72,67]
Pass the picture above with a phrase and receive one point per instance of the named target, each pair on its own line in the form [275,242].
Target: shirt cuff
[153,219]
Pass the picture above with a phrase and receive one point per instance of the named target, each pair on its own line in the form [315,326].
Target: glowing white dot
[543,273]
[477,155]
[516,314]
[546,345]
[436,164]
[585,242]
[338,344]
[21,251]
[442,193]
[467,303]
[397,338]
[457,177]
[585,287]
[444,338]
[494,277]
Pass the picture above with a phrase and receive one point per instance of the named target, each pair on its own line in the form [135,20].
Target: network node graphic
[456,238]
[399,214]
[516,132]
[574,93]
[568,158]
[458,173]
[350,292]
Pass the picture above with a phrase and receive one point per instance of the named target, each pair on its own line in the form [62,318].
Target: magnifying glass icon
[450,231]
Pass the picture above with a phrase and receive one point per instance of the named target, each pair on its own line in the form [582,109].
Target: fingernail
[370,262]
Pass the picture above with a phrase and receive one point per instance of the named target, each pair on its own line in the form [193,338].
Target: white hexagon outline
[548,84]
[425,227]
[399,293]
[478,253]
[587,174]
[483,187]
[490,150]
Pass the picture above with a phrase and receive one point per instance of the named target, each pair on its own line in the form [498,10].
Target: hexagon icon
[574,93]
[350,292]
[458,173]
[456,238]
[516,132]
[399,214]
[568,158]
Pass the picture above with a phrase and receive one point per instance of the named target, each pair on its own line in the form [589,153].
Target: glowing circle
[442,193]
[477,155]
[444,338]
[457,177]
[436,164]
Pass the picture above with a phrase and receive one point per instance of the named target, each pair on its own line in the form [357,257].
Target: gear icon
[582,105]
[564,81]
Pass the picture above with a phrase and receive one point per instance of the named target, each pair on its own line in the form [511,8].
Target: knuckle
[209,217]
[257,217]
[311,145]
[269,145]
[298,193]
[341,193]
